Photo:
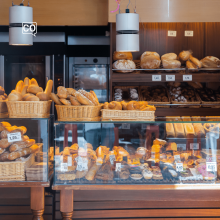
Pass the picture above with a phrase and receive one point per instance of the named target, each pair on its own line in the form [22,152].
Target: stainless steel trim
[90,60]
[64,70]
[88,40]
[2,80]
[71,63]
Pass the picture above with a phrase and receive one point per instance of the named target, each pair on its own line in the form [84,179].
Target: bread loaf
[125,65]
[89,96]
[179,130]
[4,143]
[19,86]
[33,98]
[21,144]
[122,56]
[43,96]
[169,56]
[210,62]
[71,91]
[199,130]
[62,92]
[55,98]
[15,96]
[4,156]
[149,53]
[170,130]
[189,130]
[171,64]
[49,88]
[74,101]
[92,172]
[150,62]
[184,55]
[195,61]
[83,100]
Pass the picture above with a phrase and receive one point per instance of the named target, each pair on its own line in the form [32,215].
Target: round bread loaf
[15,96]
[148,53]
[122,56]
[184,55]
[150,62]
[210,62]
[171,64]
[126,65]
[169,56]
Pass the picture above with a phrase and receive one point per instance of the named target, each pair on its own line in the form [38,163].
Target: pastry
[147,174]
[15,96]
[19,86]
[55,98]
[34,89]
[170,130]
[105,172]
[133,105]
[65,101]
[210,62]
[124,173]
[49,88]
[149,53]
[62,92]
[157,175]
[74,101]
[150,62]
[83,100]
[122,56]
[184,55]
[124,105]
[195,61]
[124,66]
[102,151]
[43,96]
[136,176]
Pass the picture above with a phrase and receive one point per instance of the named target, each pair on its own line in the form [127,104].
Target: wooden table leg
[37,202]
[66,204]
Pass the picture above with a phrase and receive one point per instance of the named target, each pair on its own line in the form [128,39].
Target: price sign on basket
[179,167]
[171,33]
[211,166]
[14,137]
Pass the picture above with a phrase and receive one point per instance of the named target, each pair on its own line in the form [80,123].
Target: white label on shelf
[187,77]
[156,77]
[82,163]
[181,146]
[69,161]
[194,146]
[64,167]
[188,33]
[179,167]
[57,160]
[211,166]
[125,126]
[170,77]
[118,167]
[171,33]
[112,159]
[177,157]
[12,137]
[144,126]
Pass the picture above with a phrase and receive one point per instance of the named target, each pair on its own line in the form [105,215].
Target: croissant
[149,108]
[133,105]
[113,105]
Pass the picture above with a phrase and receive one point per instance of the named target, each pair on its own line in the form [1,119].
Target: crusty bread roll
[62,92]
[171,64]
[42,96]
[113,105]
[34,89]
[33,81]
[148,53]
[15,96]
[49,87]
[191,66]
[195,61]
[33,98]
[74,101]
[65,101]
[89,96]
[83,99]
[169,56]
[26,81]
[210,62]
[19,86]
[24,97]
[122,56]
[55,98]
[24,90]
[71,91]
[150,62]
[126,65]
[184,55]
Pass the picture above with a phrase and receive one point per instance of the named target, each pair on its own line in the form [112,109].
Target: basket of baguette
[131,111]
[15,155]
[28,100]
[72,105]
[3,105]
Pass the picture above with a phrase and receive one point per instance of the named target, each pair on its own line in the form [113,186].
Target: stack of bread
[3,95]
[29,90]
[169,61]
[15,150]
[123,62]
[150,60]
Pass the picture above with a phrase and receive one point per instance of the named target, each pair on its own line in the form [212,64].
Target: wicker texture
[3,107]
[32,109]
[123,115]
[78,113]
[15,170]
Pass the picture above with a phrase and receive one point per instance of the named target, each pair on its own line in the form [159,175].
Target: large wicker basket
[30,109]
[3,109]
[78,113]
[15,170]
[125,115]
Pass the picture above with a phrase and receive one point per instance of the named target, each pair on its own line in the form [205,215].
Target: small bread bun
[126,65]
[149,53]
[171,64]
[133,105]
[195,61]
[150,62]
[169,56]
[113,105]
[34,89]
[62,92]
[74,101]
[65,102]
[83,100]
[15,96]
[122,56]
[55,98]
[42,96]
[19,86]
[26,81]
[24,90]
[24,97]
[71,91]
[33,98]
[33,81]
[184,55]
[49,87]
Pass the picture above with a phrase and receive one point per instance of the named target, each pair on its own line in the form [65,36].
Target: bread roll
[169,56]
[49,88]
[113,105]
[89,96]
[62,92]
[199,130]
[33,81]
[150,62]
[55,98]
[190,65]
[133,105]
[43,96]
[83,100]
[24,98]
[21,144]
[34,89]
[195,61]
[74,101]
[189,130]
[65,102]
[210,62]
[71,91]
[171,64]
[24,90]
[4,156]
[26,81]
[15,96]
[4,143]
[125,65]
[19,86]
[184,55]
[33,98]
[122,56]
[149,53]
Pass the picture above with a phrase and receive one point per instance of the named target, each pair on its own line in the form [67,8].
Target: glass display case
[171,150]
[26,149]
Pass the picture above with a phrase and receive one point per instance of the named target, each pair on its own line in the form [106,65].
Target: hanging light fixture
[127,28]
[20,15]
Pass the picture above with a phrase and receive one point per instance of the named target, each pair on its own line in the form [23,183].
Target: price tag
[112,159]
[125,126]
[63,167]
[144,126]
[156,77]
[118,167]
[210,159]
[177,157]
[181,146]
[179,167]
[187,77]
[211,166]
[171,33]
[194,146]
[82,163]
[170,77]
[69,161]
[188,33]
[12,137]
[57,160]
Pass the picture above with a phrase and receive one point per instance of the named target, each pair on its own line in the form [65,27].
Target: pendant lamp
[20,15]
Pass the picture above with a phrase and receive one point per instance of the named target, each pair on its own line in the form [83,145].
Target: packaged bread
[149,53]
[122,56]
[170,130]
[199,130]
[195,61]
[179,130]
[124,66]
[210,62]
[150,62]
[169,56]
[171,64]
[184,55]
[189,129]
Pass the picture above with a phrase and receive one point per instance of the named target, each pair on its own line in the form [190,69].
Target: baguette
[19,86]
[74,101]
[71,91]
[65,102]
[49,88]
[55,98]
[95,96]
[43,96]
[62,92]
[195,61]
[24,90]
[21,144]
[26,81]
[83,100]
[92,172]
[89,96]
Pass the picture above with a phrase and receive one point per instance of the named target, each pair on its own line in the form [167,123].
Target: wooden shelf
[25,184]
[147,77]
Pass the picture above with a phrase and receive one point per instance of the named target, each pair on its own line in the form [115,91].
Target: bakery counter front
[171,152]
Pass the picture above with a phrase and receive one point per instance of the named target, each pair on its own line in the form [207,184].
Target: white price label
[194,146]
[179,167]
[12,137]
[144,126]
[170,77]
[156,77]
[69,161]
[63,167]
[112,159]
[171,33]
[181,146]
[188,33]
[177,157]
[82,163]
[57,160]
[118,167]
[211,166]
[187,77]
[210,159]
[125,126]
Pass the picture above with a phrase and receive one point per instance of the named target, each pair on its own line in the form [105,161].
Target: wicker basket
[124,115]
[15,170]
[3,107]
[32,109]
[4,115]
[78,113]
